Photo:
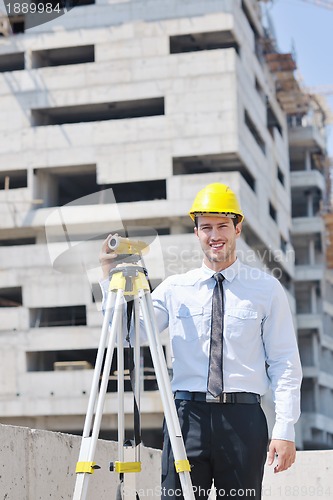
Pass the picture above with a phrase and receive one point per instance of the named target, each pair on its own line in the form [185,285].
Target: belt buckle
[212,399]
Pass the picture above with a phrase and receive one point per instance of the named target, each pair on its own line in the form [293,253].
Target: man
[232,337]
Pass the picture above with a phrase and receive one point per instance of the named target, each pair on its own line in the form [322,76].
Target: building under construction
[154,100]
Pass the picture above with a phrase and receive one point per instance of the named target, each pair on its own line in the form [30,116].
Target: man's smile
[216,246]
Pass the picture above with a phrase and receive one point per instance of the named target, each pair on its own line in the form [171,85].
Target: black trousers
[225,443]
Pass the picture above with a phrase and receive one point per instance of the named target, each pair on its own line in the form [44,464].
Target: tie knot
[218,277]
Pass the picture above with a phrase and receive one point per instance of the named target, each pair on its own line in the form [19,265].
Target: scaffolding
[293,100]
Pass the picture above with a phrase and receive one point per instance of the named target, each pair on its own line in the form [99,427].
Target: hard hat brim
[230,215]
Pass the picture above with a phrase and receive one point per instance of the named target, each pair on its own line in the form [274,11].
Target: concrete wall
[36,465]
[310,476]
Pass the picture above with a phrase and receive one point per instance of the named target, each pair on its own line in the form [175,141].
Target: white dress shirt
[260,347]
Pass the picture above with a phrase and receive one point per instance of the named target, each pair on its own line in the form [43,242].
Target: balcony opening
[57,186]
[66,360]
[11,297]
[306,350]
[58,316]
[69,4]
[13,179]
[84,359]
[260,90]
[254,132]
[272,211]
[139,191]
[306,301]
[257,37]
[194,42]
[307,399]
[305,203]
[63,56]
[98,112]
[149,377]
[17,24]
[280,176]
[13,242]
[212,163]
[272,120]
[283,244]
[96,293]
[297,164]
[11,62]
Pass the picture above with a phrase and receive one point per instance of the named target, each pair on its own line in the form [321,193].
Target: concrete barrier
[40,465]
[311,476]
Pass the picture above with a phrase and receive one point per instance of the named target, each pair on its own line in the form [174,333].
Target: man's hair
[236,220]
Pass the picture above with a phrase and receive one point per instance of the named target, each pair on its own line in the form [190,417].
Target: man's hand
[106,257]
[285,452]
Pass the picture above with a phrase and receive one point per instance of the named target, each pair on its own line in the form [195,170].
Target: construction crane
[327,4]
[321,89]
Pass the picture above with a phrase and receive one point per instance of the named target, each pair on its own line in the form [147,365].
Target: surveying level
[127,246]
[128,283]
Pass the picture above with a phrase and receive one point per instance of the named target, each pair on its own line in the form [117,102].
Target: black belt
[225,397]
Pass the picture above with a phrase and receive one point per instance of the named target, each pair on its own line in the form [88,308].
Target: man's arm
[285,374]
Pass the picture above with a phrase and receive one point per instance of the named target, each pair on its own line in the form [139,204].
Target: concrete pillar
[28,59]
[309,199]
[316,396]
[313,299]
[315,350]
[312,252]
[307,162]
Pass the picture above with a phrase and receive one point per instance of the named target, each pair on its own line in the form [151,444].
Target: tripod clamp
[130,278]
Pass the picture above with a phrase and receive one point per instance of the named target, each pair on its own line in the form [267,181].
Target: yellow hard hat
[216,199]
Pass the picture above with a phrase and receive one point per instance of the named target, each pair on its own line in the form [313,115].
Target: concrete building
[153,99]
[313,280]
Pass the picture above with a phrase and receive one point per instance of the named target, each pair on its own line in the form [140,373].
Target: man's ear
[238,229]
[195,229]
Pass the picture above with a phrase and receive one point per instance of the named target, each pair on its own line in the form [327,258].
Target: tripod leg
[171,417]
[85,465]
[137,364]
[120,391]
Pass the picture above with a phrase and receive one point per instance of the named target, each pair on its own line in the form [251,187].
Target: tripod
[128,281]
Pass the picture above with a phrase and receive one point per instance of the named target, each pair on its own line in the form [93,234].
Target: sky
[306,29]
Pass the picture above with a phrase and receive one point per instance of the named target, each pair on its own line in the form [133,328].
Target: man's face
[217,236]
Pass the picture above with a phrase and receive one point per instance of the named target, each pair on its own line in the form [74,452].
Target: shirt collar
[229,273]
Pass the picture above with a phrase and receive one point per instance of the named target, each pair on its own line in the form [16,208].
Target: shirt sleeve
[104,284]
[283,363]
[159,297]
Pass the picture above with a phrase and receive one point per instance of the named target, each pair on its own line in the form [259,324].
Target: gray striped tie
[215,374]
